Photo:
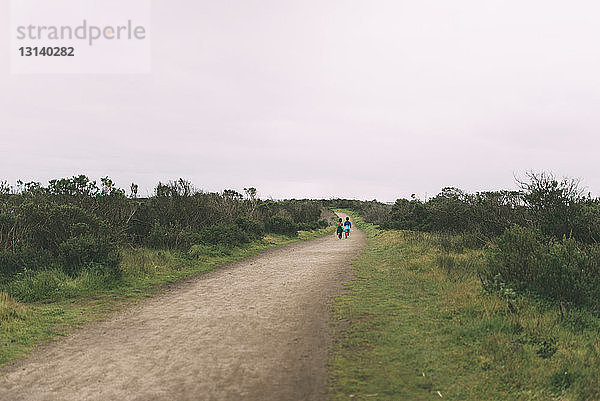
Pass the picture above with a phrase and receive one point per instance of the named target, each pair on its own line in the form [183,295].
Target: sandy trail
[254,330]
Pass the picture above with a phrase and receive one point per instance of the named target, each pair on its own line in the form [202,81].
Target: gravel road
[258,329]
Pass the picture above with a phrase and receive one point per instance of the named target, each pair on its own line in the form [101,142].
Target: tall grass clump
[9,308]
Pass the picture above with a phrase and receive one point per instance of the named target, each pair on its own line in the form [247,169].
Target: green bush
[313,225]
[16,261]
[252,228]
[409,215]
[559,208]
[302,211]
[564,270]
[49,224]
[77,254]
[171,236]
[282,225]
[451,211]
[224,234]
[518,257]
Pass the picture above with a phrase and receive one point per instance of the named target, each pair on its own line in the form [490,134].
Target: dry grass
[9,308]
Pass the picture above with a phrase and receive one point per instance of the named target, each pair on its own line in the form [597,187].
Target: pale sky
[361,99]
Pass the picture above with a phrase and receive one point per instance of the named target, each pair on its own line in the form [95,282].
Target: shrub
[409,215]
[252,228]
[16,261]
[517,258]
[560,270]
[312,226]
[282,225]
[559,208]
[450,211]
[49,225]
[85,252]
[171,236]
[485,215]
[224,234]
[375,212]
[302,211]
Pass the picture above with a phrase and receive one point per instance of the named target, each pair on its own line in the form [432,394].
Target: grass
[416,324]
[70,303]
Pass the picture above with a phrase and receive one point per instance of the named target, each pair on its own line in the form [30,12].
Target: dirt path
[256,330]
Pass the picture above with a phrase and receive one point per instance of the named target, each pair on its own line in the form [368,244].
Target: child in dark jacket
[340,229]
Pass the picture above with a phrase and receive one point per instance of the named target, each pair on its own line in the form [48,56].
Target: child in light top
[347,226]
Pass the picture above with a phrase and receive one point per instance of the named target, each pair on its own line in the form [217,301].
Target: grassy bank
[89,297]
[417,325]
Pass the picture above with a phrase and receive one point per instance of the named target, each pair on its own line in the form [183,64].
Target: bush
[224,234]
[49,225]
[559,208]
[171,236]
[17,261]
[312,226]
[409,215]
[375,212]
[252,228]
[451,211]
[560,270]
[302,211]
[517,258]
[282,225]
[485,215]
[77,254]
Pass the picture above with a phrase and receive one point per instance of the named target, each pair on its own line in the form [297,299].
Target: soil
[258,329]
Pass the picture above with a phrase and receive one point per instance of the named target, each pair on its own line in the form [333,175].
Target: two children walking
[343,229]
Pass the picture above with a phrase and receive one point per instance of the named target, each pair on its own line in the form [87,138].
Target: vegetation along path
[257,329]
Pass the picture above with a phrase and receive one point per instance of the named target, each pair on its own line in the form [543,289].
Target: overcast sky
[305,98]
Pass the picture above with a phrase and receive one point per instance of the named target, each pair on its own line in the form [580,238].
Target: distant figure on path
[347,226]
[340,229]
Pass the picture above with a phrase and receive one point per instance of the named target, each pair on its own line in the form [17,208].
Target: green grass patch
[71,302]
[415,321]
